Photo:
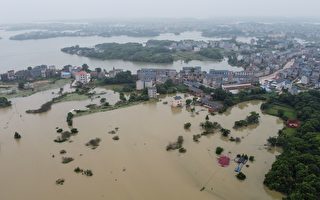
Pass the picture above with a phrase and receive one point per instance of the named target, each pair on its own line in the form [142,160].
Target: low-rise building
[65,75]
[177,101]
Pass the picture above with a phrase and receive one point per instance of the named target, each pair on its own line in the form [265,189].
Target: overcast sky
[35,10]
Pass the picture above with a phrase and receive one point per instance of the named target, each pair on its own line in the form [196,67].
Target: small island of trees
[253,118]
[4,102]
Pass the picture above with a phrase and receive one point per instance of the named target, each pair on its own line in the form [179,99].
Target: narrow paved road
[274,74]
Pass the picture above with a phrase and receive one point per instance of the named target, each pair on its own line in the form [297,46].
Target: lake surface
[137,166]
[21,54]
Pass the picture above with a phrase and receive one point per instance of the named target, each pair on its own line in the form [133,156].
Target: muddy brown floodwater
[135,167]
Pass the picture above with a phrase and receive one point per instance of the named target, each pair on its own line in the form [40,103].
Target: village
[299,73]
[218,122]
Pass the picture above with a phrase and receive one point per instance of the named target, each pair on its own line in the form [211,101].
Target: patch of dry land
[137,166]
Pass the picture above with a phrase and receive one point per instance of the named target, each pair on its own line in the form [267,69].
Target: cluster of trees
[4,102]
[228,99]
[209,127]
[177,145]
[121,78]
[44,108]
[156,51]
[160,43]
[233,60]
[169,87]
[138,97]
[134,97]
[253,118]
[225,132]
[219,150]
[241,176]
[86,172]
[70,118]
[17,135]
[296,172]
[211,53]
[187,125]
[131,52]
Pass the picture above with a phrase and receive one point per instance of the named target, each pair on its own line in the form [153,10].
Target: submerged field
[137,166]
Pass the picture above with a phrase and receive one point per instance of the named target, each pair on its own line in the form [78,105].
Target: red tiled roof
[80,73]
[224,161]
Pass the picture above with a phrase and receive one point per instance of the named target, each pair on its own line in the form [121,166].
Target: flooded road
[137,166]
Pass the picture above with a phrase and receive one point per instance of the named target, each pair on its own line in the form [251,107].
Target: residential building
[152,92]
[114,72]
[139,85]
[304,80]
[177,101]
[11,75]
[82,77]
[39,72]
[148,84]
[65,75]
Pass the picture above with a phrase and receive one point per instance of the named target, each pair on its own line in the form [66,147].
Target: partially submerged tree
[17,135]
[187,125]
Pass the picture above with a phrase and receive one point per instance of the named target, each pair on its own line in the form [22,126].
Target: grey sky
[34,10]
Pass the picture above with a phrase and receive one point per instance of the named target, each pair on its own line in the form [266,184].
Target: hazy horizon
[15,11]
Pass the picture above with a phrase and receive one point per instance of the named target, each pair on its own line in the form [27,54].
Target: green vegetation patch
[281,109]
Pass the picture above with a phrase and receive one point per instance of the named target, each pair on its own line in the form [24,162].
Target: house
[39,71]
[195,91]
[293,123]
[139,85]
[177,101]
[22,75]
[283,84]
[65,75]
[148,84]
[28,86]
[213,106]
[159,75]
[304,80]
[152,92]
[192,73]
[293,90]
[10,75]
[82,77]
[114,72]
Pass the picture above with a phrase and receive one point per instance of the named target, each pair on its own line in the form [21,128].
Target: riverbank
[300,141]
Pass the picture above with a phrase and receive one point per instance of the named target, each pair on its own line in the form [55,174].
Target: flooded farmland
[137,166]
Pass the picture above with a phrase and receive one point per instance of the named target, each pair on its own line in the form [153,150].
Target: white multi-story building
[82,77]
[152,92]
[139,85]
[148,84]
